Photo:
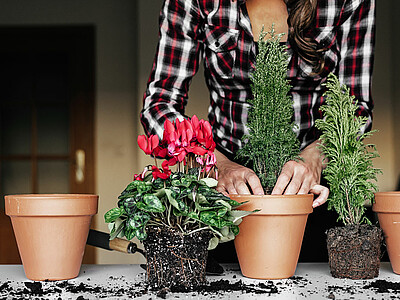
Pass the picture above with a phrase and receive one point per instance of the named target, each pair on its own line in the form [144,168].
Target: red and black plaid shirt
[219,33]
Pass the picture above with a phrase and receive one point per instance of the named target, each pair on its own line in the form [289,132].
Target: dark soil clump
[35,288]
[383,286]
[354,251]
[174,259]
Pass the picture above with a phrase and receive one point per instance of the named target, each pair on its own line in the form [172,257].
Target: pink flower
[210,161]
[199,159]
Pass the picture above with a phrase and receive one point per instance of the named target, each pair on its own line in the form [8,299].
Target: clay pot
[269,241]
[387,206]
[51,232]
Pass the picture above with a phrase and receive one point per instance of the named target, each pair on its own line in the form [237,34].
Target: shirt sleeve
[176,62]
[357,55]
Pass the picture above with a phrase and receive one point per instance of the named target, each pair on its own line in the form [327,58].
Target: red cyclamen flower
[148,144]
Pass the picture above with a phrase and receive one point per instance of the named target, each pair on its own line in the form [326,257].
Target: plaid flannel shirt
[219,33]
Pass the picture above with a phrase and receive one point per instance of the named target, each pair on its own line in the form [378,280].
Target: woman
[323,36]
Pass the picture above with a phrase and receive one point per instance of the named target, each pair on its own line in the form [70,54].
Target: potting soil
[354,251]
[174,259]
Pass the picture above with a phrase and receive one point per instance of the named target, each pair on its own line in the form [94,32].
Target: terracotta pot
[51,232]
[268,244]
[387,206]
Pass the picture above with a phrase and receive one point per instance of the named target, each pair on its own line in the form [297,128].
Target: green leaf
[140,233]
[210,182]
[224,203]
[144,187]
[118,229]
[178,204]
[130,205]
[129,233]
[222,211]
[235,229]
[113,214]
[236,215]
[193,215]
[224,231]
[152,204]
[213,243]
[226,238]
[138,220]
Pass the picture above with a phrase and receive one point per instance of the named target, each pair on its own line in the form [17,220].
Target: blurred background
[72,77]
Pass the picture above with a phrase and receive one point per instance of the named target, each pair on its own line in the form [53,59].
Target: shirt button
[217,44]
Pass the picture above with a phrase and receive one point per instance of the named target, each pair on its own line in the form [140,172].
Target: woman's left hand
[304,176]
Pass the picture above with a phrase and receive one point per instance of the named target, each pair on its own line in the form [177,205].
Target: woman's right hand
[236,179]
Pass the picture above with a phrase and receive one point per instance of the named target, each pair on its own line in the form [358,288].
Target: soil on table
[174,259]
[354,251]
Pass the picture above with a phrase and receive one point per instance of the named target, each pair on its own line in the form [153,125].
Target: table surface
[311,281]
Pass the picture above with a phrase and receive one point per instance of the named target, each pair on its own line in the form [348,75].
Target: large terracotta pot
[51,232]
[387,206]
[268,244]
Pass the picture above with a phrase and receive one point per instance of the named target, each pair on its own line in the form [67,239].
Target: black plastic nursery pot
[175,259]
[354,251]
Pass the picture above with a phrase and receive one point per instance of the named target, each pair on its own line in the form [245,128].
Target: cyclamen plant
[184,199]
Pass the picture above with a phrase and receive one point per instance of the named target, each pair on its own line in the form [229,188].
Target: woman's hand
[303,176]
[236,179]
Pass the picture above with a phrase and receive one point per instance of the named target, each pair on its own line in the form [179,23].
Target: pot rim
[51,205]
[387,202]
[276,204]
[57,195]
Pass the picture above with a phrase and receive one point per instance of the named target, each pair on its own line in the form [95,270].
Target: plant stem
[198,229]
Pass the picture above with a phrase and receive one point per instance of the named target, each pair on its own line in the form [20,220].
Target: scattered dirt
[123,289]
[176,258]
[383,286]
[37,289]
[354,251]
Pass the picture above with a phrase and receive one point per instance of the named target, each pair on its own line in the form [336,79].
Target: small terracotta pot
[387,206]
[51,232]
[269,241]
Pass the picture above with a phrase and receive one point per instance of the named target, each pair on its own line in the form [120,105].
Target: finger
[231,189]
[283,179]
[306,186]
[293,187]
[323,193]
[255,184]
[241,188]
[222,189]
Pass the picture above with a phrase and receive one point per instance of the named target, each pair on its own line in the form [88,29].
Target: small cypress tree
[271,141]
[349,171]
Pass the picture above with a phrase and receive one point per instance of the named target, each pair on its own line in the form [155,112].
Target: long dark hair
[301,16]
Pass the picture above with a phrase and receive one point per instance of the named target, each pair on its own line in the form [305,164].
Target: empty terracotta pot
[51,232]
[268,244]
[387,206]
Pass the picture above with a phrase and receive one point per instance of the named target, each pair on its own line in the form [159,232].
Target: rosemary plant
[349,170]
[271,141]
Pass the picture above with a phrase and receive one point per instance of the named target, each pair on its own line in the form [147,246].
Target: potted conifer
[177,214]
[354,250]
[269,242]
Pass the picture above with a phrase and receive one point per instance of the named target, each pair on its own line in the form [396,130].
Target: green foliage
[271,141]
[181,201]
[349,171]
